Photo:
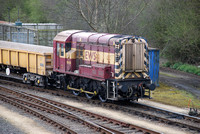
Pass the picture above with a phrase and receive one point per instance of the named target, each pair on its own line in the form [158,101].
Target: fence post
[3,32]
[10,33]
[56,29]
[37,37]
[27,36]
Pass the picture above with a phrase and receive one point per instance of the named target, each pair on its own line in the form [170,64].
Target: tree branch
[146,4]
[84,17]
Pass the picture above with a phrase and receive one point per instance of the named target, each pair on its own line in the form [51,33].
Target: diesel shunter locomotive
[110,66]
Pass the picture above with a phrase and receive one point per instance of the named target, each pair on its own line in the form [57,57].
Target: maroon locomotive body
[112,66]
[85,54]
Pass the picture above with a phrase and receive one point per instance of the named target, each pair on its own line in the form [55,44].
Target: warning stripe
[119,73]
[128,75]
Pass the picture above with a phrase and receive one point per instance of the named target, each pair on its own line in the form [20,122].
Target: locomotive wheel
[76,92]
[102,95]
[75,85]
[63,84]
[91,88]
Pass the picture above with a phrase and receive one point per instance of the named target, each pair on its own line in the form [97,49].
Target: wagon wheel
[102,95]
[25,79]
[92,87]
[36,82]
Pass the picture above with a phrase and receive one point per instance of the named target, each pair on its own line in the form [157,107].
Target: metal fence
[28,35]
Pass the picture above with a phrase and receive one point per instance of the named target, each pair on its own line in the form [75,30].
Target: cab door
[57,56]
[60,54]
[79,54]
[62,57]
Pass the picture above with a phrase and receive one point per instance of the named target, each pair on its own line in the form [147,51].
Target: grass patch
[183,67]
[167,74]
[176,97]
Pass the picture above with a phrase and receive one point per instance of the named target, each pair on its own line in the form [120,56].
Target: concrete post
[27,36]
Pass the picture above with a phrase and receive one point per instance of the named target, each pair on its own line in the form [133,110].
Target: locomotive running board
[81,90]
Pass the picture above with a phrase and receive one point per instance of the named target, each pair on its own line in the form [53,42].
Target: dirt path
[181,80]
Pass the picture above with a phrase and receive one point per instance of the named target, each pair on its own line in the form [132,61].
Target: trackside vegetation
[176,97]
[183,67]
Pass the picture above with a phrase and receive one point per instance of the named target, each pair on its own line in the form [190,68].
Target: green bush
[183,67]
[187,68]
[167,64]
[177,65]
[197,71]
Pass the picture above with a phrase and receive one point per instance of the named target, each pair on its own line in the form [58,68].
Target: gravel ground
[113,114]
[7,128]
[181,80]
[169,76]
[25,122]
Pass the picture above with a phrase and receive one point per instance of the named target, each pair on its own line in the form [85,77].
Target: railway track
[152,113]
[90,120]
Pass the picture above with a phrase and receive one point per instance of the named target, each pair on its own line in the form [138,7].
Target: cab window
[58,48]
[67,47]
[62,49]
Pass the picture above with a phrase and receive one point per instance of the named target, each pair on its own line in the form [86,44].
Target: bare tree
[113,16]
[110,15]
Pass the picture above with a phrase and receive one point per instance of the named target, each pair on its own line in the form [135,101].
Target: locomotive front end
[131,70]
[134,89]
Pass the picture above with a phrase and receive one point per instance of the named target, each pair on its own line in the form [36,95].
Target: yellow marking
[133,76]
[90,55]
[120,76]
[38,81]
[117,70]
[71,54]
[117,63]
[127,76]
[35,63]
[27,66]
[81,90]
[95,92]
[106,58]
[146,60]
[63,53]
[112,58]
[25,79]
[100,57]
[137,75]
[145,75]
